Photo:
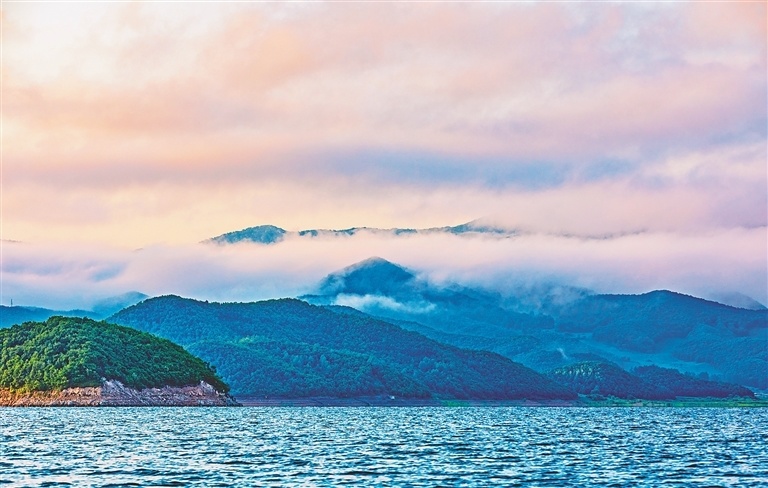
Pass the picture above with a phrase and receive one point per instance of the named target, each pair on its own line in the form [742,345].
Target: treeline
[77,352]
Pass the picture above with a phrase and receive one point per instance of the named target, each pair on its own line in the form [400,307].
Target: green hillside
[68,352]
[289,348]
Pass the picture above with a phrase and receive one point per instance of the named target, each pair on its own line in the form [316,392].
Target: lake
[383,446]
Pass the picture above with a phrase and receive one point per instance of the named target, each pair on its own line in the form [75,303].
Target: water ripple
[425,446]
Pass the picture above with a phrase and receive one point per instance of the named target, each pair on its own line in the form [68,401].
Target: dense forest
[684,385]
[67,352]
[646,382]
[288,348]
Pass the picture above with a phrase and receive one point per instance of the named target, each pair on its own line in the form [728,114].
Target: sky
[131,131]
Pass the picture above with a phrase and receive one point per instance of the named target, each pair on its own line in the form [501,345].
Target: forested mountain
[733,342]
[735,299]
[274,347]
[645,323]
[67,352]
[565,325]
[289,348]
[107,306]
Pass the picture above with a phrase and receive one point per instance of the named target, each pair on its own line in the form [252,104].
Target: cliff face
[115,394]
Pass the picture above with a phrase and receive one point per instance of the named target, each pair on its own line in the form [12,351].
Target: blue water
[383,446]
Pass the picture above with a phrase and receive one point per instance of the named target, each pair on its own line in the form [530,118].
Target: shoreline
[113,393]
[251,401]
[202,396]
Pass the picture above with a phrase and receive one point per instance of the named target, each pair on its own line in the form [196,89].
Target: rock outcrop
[115,394]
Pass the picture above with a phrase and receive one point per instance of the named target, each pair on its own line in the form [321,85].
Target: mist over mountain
[382,288]
[671,327]
[544,325]
[290,349]
[270,234]
[736,299]
[110,305]
[372,276]
[562,325]
[525,268]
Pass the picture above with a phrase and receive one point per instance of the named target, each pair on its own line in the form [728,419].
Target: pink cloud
[175,123]
[406,73]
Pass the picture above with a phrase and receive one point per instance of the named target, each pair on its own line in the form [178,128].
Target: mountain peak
[372,262]
[378,266]
[263,234]
[110,305]
[372,276]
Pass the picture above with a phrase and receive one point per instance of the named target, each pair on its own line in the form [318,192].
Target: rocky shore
[115,394]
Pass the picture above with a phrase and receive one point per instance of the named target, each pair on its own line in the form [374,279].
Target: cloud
[157,125]
[373,302]
[148,92]
[703,263]
[687,193]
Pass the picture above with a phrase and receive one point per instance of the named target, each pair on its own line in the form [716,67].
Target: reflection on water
[424,446]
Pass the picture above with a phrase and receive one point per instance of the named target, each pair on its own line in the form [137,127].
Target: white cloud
[372,302]
[698,263]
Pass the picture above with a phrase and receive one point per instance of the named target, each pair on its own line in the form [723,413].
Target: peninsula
[68,361]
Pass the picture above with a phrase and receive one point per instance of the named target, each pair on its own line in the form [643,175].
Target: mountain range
[288,348]
[291,349]
[270,234]
[378,328]
[562,326]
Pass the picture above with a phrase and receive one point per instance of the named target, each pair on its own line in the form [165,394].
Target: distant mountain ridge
[270,234]
[100,310]
[19,314]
